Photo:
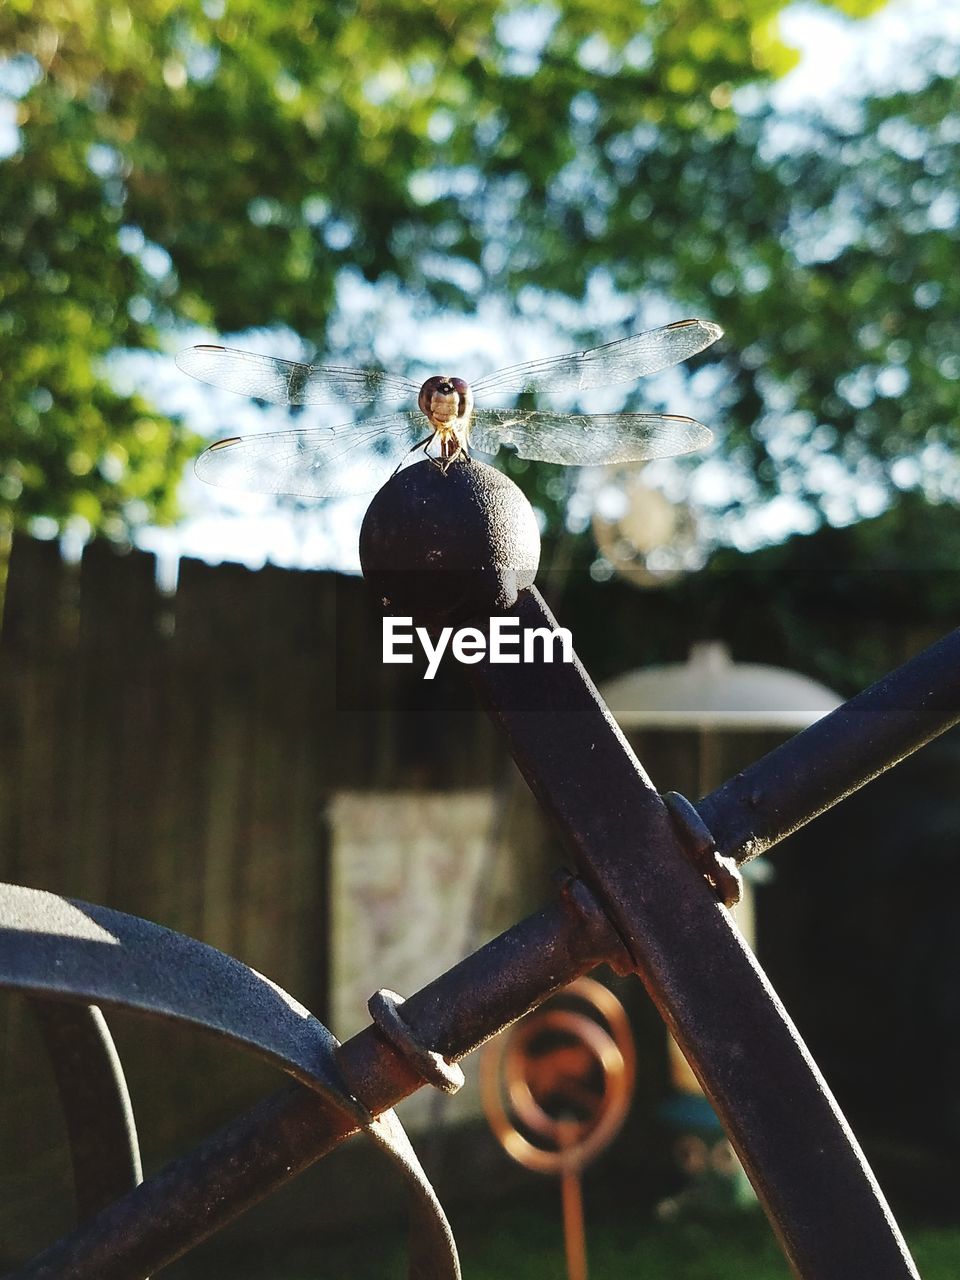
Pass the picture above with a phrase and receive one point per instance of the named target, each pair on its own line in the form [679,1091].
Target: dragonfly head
[446,400]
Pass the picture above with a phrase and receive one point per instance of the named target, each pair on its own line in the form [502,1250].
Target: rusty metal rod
[795,1145]
[837,755]
[196,1195]
[571,1203]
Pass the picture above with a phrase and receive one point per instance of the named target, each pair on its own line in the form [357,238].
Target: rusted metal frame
[196,1195]
[835,756]
[795,1145]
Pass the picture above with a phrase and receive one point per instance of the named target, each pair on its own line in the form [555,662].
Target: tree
[227,162]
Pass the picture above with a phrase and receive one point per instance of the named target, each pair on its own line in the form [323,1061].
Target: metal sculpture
[556,1089]
[646,896]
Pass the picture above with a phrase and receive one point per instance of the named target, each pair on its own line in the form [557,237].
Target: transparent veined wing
[620,361]
[319,462]
[580,439]
[286,381]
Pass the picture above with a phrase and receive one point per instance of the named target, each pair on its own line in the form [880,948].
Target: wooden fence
[173,756]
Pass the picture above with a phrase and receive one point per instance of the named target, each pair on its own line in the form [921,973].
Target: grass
[523,1242]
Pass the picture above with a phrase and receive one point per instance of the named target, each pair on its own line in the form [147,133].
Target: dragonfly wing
[320,462]
[620,361]
[286,381]
[578,439]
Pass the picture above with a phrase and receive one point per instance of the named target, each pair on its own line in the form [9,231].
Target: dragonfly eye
[464,396]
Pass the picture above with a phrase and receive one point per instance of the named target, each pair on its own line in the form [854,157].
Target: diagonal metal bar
[837,755]
[804,1162]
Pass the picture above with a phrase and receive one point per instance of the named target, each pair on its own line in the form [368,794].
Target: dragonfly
[355,458]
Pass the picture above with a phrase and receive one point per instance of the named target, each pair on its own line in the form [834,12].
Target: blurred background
[195,724]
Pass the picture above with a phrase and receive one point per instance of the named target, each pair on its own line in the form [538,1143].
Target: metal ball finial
[447,546]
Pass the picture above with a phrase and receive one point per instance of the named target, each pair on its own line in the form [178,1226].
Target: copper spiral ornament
[556,1088]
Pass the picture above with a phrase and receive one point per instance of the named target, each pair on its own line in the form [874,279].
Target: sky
[840,59]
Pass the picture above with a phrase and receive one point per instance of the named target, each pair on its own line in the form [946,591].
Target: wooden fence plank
[120,605]
[184,775]
[36,595]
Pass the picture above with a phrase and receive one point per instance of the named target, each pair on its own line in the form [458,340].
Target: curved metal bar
[104,1150]
[67,950]
[57,949]
[282,1135]
[433,1252]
